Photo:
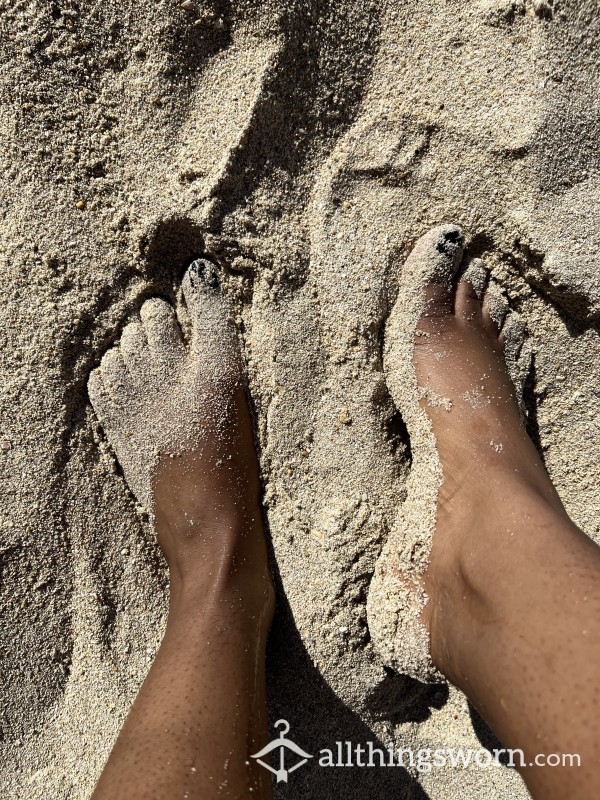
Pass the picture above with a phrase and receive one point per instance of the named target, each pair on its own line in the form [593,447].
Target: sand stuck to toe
[305,148]
[396,598]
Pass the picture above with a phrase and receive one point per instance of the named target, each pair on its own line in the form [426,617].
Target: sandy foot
[176,415]
[451,349]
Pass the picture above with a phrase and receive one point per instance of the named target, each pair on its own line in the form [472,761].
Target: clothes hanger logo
[282,744]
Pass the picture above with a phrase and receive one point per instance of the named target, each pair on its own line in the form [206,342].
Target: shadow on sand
[318,719]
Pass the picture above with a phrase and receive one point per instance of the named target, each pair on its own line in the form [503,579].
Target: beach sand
[304,147]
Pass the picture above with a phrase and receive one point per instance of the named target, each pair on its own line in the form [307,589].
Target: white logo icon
[281,744]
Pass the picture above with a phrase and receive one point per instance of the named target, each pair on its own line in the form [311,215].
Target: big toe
[201,279]
[214,335]
[434,262]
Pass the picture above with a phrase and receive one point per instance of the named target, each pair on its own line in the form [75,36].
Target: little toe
[99,397]
[162,330]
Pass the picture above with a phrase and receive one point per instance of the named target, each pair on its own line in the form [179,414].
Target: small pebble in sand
[345,417]
[5,445]
[208,19]
[187,5]
[80,204]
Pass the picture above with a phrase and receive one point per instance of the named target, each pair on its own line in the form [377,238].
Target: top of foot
[448,342]
[157,395]
[176,415]
[464,342]
[175,412]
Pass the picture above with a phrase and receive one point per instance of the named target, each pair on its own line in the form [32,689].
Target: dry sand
[306,146]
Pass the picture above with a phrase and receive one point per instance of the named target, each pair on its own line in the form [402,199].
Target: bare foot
[177,418]
[472,458]
[490,467]
[499,583]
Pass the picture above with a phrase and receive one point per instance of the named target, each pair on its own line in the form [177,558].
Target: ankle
[216,564]
[473,568]
[231,600]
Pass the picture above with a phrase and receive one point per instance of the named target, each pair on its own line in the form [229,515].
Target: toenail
[203,271]
[449,241]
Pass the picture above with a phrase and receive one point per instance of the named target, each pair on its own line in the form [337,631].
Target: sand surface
[306,146]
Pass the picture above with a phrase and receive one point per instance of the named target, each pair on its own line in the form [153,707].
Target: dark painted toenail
[204,272]
[454,236]
[449,241]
